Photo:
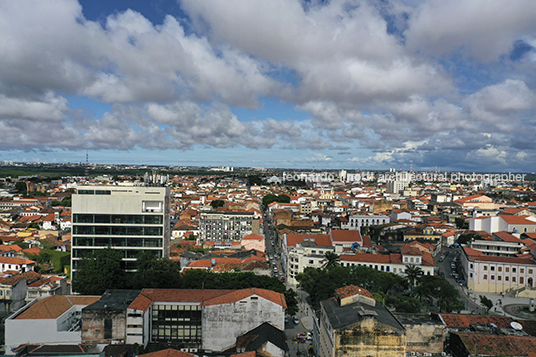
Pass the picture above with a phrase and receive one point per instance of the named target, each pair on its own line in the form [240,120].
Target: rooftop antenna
[86,172]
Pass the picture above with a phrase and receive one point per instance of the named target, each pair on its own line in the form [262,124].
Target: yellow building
[355,324]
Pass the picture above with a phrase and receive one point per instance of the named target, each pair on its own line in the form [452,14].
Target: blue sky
[351,84]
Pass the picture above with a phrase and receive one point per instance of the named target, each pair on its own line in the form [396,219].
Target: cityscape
[224,261]
[281,178]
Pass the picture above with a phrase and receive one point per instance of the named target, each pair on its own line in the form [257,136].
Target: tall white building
[130,219]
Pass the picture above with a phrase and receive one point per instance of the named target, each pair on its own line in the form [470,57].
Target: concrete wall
[368,338]
[37,331]
[221,324]
[93,325]
[425,338]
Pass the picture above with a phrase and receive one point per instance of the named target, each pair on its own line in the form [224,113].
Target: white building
[130,219]
[497,274]
[302,251]
[53,320]
[364,220]
[410,254]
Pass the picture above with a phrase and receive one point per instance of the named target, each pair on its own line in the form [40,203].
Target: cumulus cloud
[387,81]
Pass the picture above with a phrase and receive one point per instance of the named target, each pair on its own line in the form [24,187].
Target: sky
[357,84]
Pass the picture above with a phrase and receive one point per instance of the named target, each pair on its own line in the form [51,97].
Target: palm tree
[413,273]
[332,259]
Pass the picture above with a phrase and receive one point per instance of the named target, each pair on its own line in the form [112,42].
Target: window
[499,277]
[492,268]
[530,271]
[513,279]
[471,266]
[513,270]
[507,269]
[506,278]
[499,268]
[521,280]
[493,277]
[485,267]
[521,270]
[311,262]
[485,276]
[470,275]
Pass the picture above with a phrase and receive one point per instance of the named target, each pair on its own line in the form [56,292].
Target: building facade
[131,219]
[227,226]
[364,220]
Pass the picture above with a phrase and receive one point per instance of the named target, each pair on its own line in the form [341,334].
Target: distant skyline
[358,84]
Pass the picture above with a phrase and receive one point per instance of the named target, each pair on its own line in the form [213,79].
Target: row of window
[506,278]
[125,264]
[506,269]
[117,242]
[117,218]
[176,323]
[126,253]
[94,192]
[118,230]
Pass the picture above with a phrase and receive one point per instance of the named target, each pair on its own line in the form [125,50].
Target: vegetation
[487,303]
[217,203]
[332,260]
[266,200]
[466,238]
[99,272]
[102,271]
[389,288]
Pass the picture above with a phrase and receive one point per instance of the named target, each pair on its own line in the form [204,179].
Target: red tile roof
[499,345]
[238,295]
[320,239]
[170,352]
[350,290]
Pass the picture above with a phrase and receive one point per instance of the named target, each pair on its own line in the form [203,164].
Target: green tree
[269,198]
[21,187]
[413,274]
[466,238]
[486,302]
[98,272]
[154,272]
[332,260]
[217,203]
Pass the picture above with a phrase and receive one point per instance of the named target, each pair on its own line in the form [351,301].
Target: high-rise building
[130,219]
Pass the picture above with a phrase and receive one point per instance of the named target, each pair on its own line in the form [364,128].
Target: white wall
[222,324]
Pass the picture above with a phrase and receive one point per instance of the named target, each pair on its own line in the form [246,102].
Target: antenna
[86,172]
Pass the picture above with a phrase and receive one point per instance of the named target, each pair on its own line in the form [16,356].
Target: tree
[269,198]
[332,259]
[413,274]
[466,238]
[486,302]
[21,187]
[217,203]
[98,272]
[153,272]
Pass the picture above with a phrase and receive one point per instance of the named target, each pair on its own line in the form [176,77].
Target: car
[286,319]
[296,320]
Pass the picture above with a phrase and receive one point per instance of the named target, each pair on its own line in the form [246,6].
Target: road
[446,267]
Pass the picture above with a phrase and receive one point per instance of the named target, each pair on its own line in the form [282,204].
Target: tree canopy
[99,272]
[269,198]
[217,203]
[389,288]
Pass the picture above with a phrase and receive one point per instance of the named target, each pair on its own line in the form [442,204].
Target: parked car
[286,319]
[296,320]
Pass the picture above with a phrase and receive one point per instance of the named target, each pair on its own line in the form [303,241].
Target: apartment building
[131,219]
[302,251]
[227,226]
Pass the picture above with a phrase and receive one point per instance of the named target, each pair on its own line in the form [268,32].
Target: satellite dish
[516,325]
